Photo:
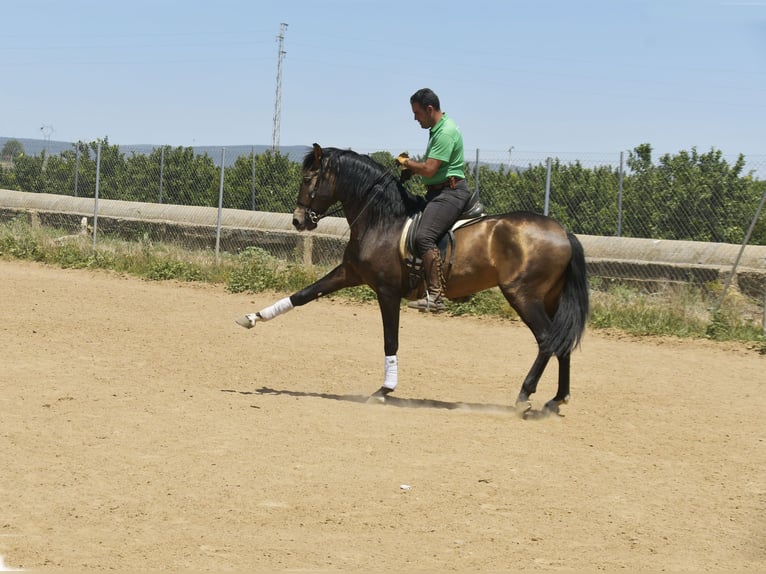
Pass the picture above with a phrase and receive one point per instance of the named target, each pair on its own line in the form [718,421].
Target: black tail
[572,314]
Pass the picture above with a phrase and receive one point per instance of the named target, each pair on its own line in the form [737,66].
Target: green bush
[256,270]
[163,270]
[18,240]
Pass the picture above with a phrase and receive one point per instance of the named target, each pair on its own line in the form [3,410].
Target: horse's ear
[317,154]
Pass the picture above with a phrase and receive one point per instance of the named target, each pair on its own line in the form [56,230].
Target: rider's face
[424,116]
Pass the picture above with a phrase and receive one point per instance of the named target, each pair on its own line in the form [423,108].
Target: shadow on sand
[399,402]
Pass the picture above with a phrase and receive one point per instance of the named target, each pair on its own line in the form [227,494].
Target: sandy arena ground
[143,430]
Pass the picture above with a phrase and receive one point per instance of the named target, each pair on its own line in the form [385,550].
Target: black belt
[450,182]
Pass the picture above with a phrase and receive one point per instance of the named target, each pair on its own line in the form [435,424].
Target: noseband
[312,214]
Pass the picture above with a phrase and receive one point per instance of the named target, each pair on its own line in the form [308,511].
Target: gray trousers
[443,208]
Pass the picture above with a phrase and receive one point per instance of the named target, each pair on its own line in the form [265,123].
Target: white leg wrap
[392,372]
[281,306]
[248,321]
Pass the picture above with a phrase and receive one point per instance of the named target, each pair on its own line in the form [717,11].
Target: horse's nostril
[296,223]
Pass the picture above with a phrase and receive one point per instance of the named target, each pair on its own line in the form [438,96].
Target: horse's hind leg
[535,317]
[529,386]
[562,395]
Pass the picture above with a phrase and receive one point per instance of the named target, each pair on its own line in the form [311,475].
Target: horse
[538,266]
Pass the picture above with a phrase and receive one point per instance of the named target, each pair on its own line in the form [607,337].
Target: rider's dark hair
[426,97]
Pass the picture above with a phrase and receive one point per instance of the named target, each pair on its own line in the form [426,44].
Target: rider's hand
[403,159]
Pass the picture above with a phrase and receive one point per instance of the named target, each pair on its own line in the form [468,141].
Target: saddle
[472,212]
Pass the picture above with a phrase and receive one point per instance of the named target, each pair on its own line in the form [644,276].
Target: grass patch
[255,270]
[489,302]
[675,310]
[670,311]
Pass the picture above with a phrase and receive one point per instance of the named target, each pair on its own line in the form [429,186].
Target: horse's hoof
[522,408]
[552,406]
[246,321]
[380,395]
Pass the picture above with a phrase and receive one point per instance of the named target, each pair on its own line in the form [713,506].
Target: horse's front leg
[389,311]
[339,278]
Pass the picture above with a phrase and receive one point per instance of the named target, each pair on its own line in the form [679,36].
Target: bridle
[315,216]
[312,214]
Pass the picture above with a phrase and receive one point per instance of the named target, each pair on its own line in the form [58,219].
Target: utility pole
[47,131]
[278,97]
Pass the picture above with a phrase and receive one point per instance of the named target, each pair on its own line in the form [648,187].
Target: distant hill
[36,146]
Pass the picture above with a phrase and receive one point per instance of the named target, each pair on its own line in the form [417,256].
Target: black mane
[365,182]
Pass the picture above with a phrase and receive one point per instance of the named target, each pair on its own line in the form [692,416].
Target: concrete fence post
[307,245]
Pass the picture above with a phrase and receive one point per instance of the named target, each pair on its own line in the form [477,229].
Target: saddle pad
[410,226]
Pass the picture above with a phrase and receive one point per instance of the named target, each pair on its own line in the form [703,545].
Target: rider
[443,173]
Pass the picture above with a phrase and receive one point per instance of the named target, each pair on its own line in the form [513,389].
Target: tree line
[688,196]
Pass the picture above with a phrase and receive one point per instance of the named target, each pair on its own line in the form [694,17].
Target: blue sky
[557,76]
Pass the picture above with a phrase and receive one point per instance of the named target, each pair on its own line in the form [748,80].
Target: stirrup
[428,304]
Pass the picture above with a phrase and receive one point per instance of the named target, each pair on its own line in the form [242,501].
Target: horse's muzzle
[302,221]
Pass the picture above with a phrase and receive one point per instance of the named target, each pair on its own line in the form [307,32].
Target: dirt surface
[142,429]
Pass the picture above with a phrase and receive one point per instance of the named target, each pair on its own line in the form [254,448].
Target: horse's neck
[359,210]
[365,193]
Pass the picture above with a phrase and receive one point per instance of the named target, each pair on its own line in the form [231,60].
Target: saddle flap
[407,239]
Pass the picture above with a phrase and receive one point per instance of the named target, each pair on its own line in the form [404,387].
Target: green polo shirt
[445,143]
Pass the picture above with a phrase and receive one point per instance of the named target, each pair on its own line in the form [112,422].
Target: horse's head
[317,192]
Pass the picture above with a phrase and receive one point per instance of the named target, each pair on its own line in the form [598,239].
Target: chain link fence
[704,207]
[690,196]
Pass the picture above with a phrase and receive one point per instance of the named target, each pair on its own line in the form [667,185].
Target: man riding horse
[443,174]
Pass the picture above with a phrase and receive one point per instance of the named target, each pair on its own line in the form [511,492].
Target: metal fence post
[252,181]
[547,186]
[619,199]
[162,168]
[739,254]
[95,203]
[76,167]
[220,208]
[477,170]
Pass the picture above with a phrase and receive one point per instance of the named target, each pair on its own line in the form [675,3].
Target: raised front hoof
[380,395]
[246,321]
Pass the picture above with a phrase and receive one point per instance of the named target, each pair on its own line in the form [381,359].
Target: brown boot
[432,265]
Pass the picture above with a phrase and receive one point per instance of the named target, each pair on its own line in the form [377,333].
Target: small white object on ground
[4,568]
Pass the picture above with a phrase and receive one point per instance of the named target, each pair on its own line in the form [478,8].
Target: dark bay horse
[537,265]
